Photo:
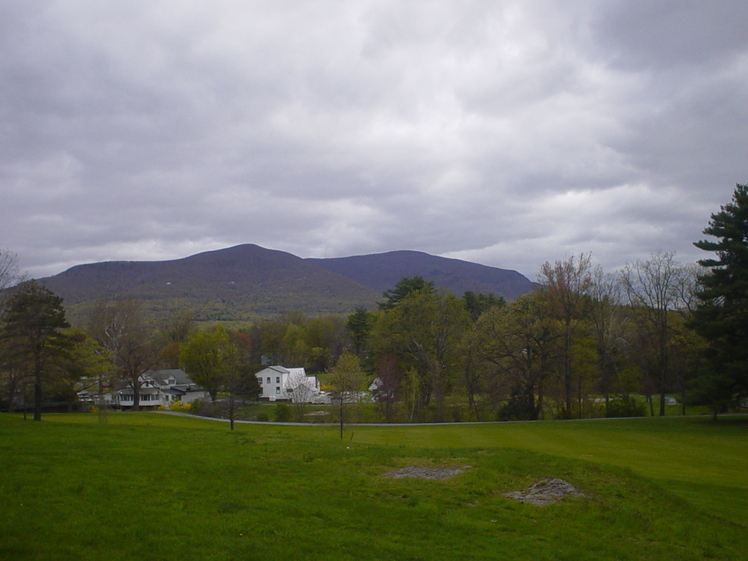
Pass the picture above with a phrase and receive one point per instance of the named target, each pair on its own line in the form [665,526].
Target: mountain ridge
[454,274]
[248,281]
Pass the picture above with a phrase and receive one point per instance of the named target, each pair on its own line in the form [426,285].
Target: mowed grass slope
[152,486]
[699,459]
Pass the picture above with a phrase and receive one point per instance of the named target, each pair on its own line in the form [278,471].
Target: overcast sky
[508,133]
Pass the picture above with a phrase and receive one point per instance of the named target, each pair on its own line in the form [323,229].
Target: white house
[288,384]
[161,387]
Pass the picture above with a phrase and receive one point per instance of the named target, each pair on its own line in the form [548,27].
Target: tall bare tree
[173,333]
[655,288]
[607,320]
[567,284]
[119,326]
[9,274]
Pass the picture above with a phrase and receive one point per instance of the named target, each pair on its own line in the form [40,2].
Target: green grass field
[152,486]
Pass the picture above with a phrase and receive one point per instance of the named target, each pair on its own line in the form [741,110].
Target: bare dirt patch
[545,491]
[426,473]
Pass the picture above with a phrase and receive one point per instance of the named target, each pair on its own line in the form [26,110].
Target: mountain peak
[247,280]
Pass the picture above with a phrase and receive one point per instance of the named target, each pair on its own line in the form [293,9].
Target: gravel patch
[545,491]
[426,473]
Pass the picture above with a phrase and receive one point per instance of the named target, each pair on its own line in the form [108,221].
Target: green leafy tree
[523,343]
[33,335]
[346,378]
[296,340]
[359,325]
[404,288]
[476,303]
[86,366]
[239,381]
[566,285]
[216,360]
[208,358]
[424,332]
[721,316]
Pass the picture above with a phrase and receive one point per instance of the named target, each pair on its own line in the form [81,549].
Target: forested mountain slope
[245,281]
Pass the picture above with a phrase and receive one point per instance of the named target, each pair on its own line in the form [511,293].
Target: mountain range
[247,281]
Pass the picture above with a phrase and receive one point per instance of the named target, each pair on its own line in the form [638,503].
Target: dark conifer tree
[32,333]
[722,314]
[405,287]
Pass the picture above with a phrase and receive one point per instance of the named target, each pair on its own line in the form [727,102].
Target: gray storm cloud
[507,133]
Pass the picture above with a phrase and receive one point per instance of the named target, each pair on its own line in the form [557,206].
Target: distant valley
[249,281]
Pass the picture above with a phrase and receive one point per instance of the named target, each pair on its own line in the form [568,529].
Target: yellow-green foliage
[180,407]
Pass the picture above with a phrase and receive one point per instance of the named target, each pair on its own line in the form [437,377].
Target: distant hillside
[229,284]
[247,281]
[382,270]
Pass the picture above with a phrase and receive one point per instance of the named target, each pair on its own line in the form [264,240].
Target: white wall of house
[287,384]
[155,392]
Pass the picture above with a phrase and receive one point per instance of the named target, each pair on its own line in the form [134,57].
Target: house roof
[162,376]
[278,369]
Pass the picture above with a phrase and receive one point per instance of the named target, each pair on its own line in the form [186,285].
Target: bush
[197,405]
[283,412]
[207,408]
[626,407]
[262,417]
[457,414]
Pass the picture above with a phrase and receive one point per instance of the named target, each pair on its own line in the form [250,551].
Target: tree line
[583,343]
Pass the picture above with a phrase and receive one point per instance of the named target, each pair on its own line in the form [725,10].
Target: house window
[277,391]
[277,380]
[268,380]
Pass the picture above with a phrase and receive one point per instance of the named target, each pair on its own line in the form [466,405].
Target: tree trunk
[37,390]
[662,403]
[37,399]
[136,396]
[341,414]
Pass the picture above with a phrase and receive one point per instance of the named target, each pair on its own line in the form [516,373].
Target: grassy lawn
[703,461]
[152,486]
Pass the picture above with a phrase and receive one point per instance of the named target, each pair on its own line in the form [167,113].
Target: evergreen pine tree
[32,335]
[722,314]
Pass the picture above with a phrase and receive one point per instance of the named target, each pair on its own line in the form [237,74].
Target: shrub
[283,412]
[457,414]
[626,407]
[197,405]
[263,417]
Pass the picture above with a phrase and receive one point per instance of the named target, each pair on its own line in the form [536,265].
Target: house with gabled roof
[161,388]
[288,384]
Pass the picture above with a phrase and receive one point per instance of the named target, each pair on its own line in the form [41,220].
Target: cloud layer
[507,133]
